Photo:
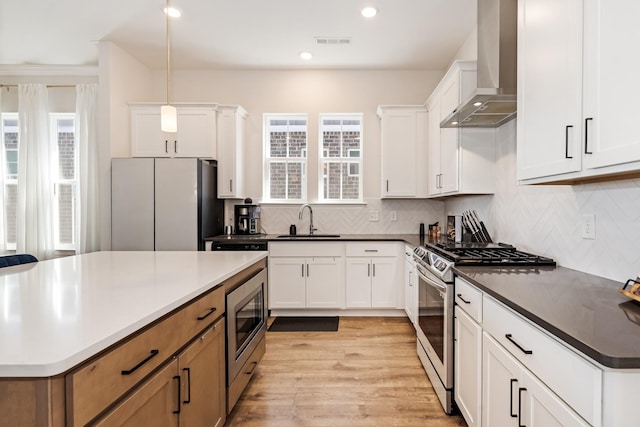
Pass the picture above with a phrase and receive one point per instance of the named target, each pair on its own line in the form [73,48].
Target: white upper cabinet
[461,161]
[404,151]
[576,118]
[231,140]
[196,136]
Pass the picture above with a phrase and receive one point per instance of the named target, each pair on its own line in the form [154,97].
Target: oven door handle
[430,281]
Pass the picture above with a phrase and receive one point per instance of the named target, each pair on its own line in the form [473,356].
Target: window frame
[346,159]
[7,180]
[59,181]
[268,160]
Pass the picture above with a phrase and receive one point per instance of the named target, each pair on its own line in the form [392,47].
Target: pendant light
[168,113]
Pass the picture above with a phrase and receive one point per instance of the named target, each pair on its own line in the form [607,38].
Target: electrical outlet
[373,216]
[393,216]
[588,226]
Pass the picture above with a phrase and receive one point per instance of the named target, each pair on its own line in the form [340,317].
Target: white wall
[547,219]
[314,92]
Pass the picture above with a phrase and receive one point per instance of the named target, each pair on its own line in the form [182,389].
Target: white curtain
[87,217]
[35,184]
[3,174]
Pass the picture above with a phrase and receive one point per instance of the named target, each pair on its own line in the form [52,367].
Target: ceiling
[238,34]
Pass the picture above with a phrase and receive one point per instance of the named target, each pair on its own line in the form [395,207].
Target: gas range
[440,257]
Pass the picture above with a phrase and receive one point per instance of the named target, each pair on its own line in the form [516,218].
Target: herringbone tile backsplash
[547,219]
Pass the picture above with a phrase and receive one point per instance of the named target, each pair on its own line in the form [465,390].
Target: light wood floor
[366,374]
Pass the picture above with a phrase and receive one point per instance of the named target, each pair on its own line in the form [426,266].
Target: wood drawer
[246,373]
[568,374]
[96,385]
[469,299]
[373,249]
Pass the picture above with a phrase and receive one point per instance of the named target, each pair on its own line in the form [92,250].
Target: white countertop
[55,314]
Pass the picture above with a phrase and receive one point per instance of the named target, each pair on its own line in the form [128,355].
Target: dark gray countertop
[412,239]
[583,310]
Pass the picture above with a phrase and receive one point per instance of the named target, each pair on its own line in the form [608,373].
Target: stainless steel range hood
[493,103]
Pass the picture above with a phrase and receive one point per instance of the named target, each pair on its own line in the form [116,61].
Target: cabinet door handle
[175,146]
[368,270]
[509,337]
[188,370]
[307,270]
[463,300]
[209,313]
[520,390]
[513,380]
[566,142]
[302,270]
[387,186]
[166,146]
[177,411]
[586,135]
[132,370]
[374,270]
[254,365]
[230,185]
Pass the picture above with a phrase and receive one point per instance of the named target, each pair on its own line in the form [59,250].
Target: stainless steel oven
[435,332]
[246,322]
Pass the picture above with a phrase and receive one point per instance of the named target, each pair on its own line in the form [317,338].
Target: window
[64,177]
[10,145]
[340,157]
[285,148]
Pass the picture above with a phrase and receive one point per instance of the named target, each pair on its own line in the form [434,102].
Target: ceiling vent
[333,41]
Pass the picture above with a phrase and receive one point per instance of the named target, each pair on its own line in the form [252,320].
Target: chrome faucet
[306,205]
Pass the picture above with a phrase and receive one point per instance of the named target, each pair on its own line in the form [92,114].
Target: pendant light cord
[168,53]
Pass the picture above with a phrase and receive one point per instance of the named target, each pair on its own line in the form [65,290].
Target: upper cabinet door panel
[611,83]
[549,87]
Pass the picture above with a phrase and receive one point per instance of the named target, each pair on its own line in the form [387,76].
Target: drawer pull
[209,313]
[371,250]
[253,368]
[513,380]
[188,370]
[508,336]
[520,390]
[149,357]
[177,377]
[463,300]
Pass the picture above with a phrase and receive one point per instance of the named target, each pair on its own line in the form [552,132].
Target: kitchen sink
[308,236]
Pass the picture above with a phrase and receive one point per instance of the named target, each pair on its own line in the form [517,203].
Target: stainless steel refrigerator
[164,204]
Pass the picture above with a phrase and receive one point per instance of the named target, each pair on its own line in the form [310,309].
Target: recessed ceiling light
[172,12]
[454,123]
[477,104]
[305,55]
[369,12]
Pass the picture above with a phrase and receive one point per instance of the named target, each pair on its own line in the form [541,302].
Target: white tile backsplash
[352,219]
[547,219]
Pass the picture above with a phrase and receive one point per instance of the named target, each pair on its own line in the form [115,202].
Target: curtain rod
[9,86]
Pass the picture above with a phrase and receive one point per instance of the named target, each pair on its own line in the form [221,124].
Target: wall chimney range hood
[493,103]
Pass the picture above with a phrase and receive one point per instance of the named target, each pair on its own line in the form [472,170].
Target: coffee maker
[247,218]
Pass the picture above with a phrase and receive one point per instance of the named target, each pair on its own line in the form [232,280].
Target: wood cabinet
[314,279]
[404,153]
[231,143]
[196,136]
[461,161]
[189,390]
[576,119]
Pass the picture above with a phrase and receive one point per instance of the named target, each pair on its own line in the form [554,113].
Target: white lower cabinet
[313,279]
[513,396]
[371,282]
[509,372]
[468,367]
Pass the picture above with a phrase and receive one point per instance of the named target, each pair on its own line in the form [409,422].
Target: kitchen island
[58,314]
